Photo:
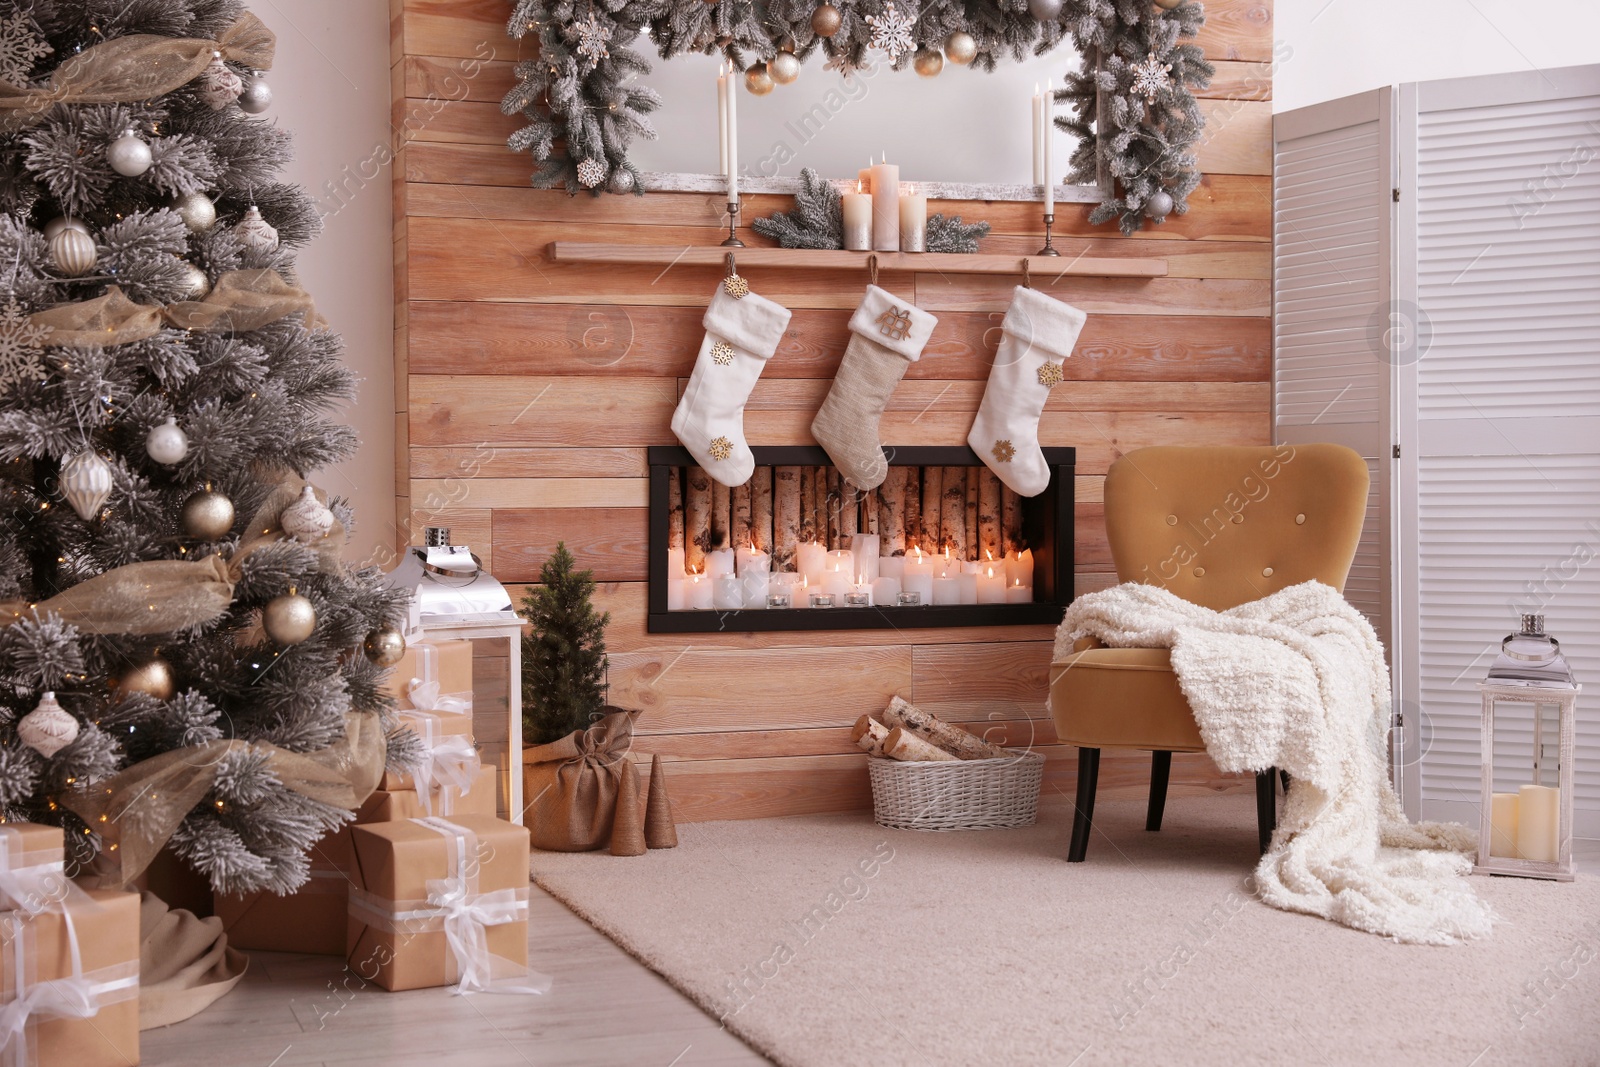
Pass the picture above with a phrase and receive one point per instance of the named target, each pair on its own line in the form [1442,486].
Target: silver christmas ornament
[128,155]
[63,222]
[960,48]
[197,211]
[784,68]
[1045,10]
[167,443]
[257,96]
[757,80]
[73,252]
[207,515]
[194,285]
[289,619]
[385,646]
[621,181]
[1159,205]
[255,232]
[86,483]
[48,728]
[308,519]
[928,62]
[219,86]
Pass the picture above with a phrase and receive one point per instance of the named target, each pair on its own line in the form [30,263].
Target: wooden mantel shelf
[824,259]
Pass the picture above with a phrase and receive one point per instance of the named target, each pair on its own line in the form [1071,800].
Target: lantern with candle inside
[1529,707]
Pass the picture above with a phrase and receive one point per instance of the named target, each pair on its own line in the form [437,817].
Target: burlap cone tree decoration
[659,829]
[166,388]
[627,832]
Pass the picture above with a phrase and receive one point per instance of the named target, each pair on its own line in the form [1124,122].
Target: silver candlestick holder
[1048,249]
[733,222]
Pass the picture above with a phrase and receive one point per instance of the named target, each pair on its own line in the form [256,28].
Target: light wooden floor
[604,1009]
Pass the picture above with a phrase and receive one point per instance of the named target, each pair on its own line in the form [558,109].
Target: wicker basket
[982,794]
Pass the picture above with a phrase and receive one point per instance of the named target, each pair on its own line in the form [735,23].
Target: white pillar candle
[733,139]
[969,587]
[726,594]
[864,176]
[920,581]
[917,564]
[1538,822]
[698,592]
[858,219]
[948,565]
[947,590]
[1019,568]
[677,598]
[970,566]
[751,560]
[756,585]
[719,562]
[1038,133]
[886,207]
[992,585]
[783,582]
[1019,594]
[838,583]
[800,593]
[1503,825]
[722,120]
[812,561]
[886,591]
[675,563]
[891,567]
[913,220]
[844,561]
[864,555]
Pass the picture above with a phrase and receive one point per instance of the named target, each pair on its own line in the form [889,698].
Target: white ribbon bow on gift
[425,696]
[451,761]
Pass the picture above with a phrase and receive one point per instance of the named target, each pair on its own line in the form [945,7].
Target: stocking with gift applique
[1038,334]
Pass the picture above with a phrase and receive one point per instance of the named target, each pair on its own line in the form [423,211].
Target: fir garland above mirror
[1133,110]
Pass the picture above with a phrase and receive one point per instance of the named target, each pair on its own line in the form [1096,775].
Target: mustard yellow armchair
[1220,527]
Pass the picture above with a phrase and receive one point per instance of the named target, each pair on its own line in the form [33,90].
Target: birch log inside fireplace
[798,548]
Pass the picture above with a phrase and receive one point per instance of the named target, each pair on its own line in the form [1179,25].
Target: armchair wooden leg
[1266,806]
[1160,771]
[1083,809]
[1284,777]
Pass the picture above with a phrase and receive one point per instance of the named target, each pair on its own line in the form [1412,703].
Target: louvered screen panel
[1331,267]
[1507,478]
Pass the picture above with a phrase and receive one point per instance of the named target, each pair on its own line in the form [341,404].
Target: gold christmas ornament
[1168,5]
[960,48]
[153,679]
[757,80]
[193,285]
[308,519]
[385,646]
[86,483]
[784,68]
[196,210]
[207,515]
[927,62]
[826,20]
[73,252]
[48,728]
[289,619]
[63,222]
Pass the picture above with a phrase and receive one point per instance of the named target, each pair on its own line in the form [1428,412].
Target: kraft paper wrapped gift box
[406,933]
[311,920]
[445,800]
[37,934]
[449,663]
[448,736]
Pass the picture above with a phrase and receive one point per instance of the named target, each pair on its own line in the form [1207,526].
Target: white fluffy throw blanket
[1297,681]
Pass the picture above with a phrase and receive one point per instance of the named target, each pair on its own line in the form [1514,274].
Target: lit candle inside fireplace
[725,593]
[675,568]
[719,562]
[751,560]
[886,591]
[864,555]
[1017,593]
[812,561]
[1019,568]
[892,567]
[698,592]
[947,590]
[992,586]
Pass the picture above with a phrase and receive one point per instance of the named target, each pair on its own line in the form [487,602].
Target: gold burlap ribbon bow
[140,66]
[164,595]
[137,810]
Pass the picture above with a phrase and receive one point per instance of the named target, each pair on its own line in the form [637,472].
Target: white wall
[1332,48]
[330,85]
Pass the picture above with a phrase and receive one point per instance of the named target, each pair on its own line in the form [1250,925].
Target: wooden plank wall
[527,393]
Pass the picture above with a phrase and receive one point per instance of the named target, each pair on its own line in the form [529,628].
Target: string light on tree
[129,155]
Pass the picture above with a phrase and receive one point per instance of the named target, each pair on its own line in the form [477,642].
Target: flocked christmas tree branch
[1134,114]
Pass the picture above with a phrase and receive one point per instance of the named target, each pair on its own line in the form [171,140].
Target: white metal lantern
[1530,689]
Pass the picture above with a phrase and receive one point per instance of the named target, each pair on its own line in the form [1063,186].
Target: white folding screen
[1437,308]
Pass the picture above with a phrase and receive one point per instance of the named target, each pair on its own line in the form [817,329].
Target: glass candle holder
[822,600]
[858,600]
[777,600]
[909,600]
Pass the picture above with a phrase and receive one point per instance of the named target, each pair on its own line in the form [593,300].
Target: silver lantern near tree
[1530,701]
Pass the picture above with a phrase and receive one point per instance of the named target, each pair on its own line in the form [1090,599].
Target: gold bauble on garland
[826,20]
[928,62]
[207,515]
[289,619]
[153,678]
[757,80]
[960,48]
[385,646]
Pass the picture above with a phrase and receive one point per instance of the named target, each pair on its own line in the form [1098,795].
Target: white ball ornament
[128,155]
[194,284]
[197,211]
[1159,205]
[257,96]
[255,232]
[784,68]
[48,728]
[289,619]
[73,252]
[64,222]
[86,483]
[308,519]
[167,443]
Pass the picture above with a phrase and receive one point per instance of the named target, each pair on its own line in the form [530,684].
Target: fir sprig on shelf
[947,233]
[817,220]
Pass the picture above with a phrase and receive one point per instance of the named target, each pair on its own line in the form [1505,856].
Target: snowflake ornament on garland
[21,347]
[893,33]
[1150,78]
[591,172]
[593,36]
[20,47]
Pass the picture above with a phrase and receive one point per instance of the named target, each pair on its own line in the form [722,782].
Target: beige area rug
[827,941]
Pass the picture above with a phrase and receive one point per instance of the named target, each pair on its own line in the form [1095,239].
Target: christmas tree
[564,652]
[181,648]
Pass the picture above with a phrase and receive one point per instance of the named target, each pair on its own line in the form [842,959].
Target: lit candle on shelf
[886,591]
[1048,134]
[783,583]
[838,583]
[1017,593]
[698,592]
[918,575]
[992,586]
[1038,136]
[971,566]
[860,596]
[1538,822]
[858,219]
[947,590]
[725,593]
[886,206]
[675,568]
[948,565]
[719,562]
[812,561]
[864,555]
[751,560]
[913,220]
[1019,568]
[722,118]
[756,584]
[969,586]
[891,567]
[1503,820]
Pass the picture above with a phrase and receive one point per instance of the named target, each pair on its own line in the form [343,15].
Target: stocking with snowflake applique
[887,335]
[1038,335]
[742,331]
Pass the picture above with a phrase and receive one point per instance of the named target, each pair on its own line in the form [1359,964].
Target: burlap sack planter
[571,784]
